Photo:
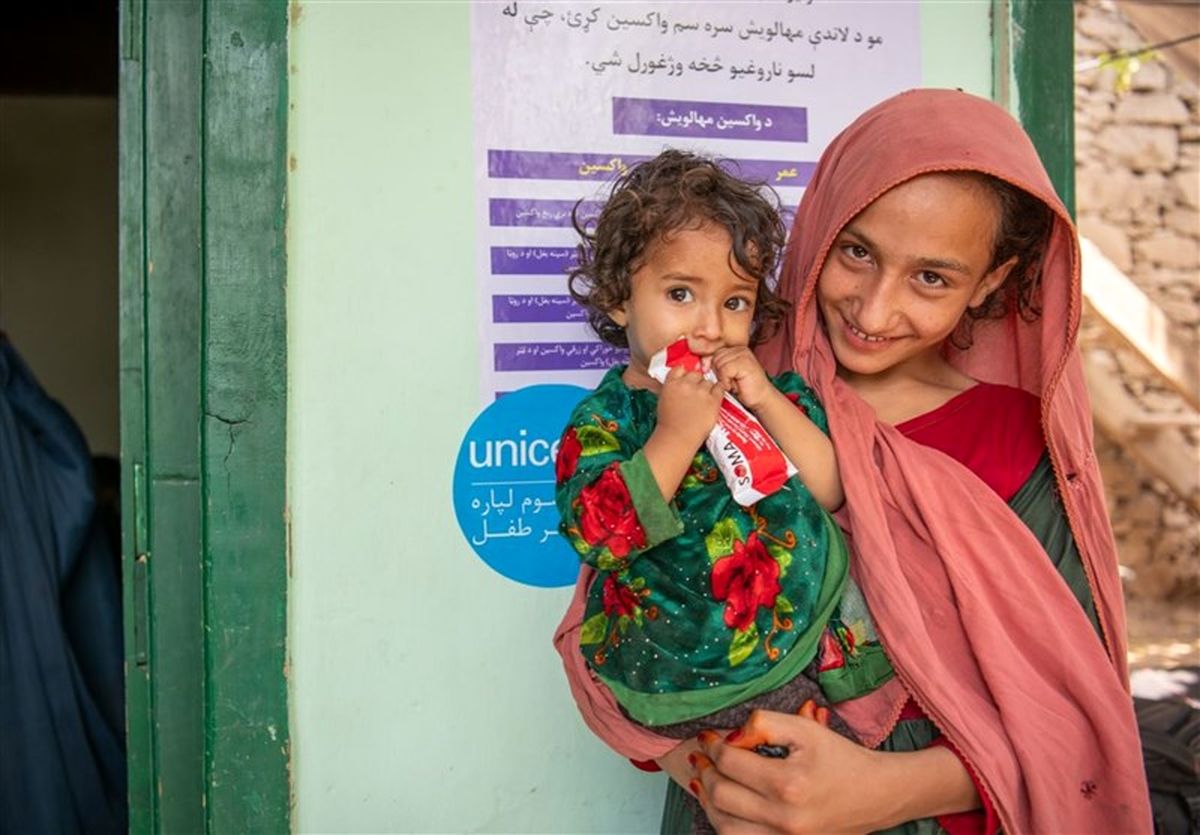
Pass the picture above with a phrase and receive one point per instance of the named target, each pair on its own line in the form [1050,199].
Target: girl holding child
[934,277]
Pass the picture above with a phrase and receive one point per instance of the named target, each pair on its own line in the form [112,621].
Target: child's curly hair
[673,191]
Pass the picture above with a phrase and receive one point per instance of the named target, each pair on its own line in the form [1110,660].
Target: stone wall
[1138,200]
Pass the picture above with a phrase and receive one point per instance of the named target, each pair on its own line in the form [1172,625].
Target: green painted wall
[425,695]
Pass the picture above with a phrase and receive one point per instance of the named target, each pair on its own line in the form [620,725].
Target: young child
[702,609]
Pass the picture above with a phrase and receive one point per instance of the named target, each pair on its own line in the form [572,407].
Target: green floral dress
[699,603]
[852,661]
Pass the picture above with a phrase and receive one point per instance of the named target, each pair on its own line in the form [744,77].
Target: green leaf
[720,539]
[580,545]
[595,441]
[594,629]
[607,562]
[782,556]
[637,583]
[743,643]
[689,481]
[783,605]
[623,623]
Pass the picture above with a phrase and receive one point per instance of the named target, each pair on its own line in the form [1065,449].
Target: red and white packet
[753,464]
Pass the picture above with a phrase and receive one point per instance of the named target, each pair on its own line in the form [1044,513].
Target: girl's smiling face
[688,285]
[901,274]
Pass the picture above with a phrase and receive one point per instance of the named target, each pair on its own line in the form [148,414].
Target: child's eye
[927,278]
[679,294]
[856,251]
[737,303]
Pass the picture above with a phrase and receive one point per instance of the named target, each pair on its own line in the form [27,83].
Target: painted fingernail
[694,787]
[734,735]
[707,737]
[692,760]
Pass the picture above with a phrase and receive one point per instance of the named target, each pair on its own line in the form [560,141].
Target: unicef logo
[504,486]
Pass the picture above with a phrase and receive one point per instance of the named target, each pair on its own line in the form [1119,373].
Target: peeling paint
[295,10]
[291,162]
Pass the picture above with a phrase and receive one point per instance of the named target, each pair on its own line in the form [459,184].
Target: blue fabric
[62,759]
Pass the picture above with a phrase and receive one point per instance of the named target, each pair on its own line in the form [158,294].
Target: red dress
[1010,419]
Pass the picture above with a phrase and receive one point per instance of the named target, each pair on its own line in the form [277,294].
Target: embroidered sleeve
[610,507]
[796,390]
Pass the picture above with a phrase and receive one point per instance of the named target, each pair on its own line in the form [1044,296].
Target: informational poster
[568,95]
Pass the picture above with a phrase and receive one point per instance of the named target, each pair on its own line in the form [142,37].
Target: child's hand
[688,406]
[738,370]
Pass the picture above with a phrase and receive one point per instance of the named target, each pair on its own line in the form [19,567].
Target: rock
[1183,221]
[1143,510]
[1102,360]
[1161,401]
[1112,32]
[1146,193]
[1134,551]
[1182,312]
[1178,543]
[1110,239]
[1182,283]
[1151,109]
[1190,131]
[1140,147]
[1189,156]
[1099,187]
[1152,75]
[1187,184]
[1170,250]
[1177,516]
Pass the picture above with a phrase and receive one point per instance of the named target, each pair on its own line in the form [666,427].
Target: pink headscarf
[981,628]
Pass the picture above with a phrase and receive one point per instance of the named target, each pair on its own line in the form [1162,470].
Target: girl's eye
[738,304]
[930,279]
[679,294]
[856,251]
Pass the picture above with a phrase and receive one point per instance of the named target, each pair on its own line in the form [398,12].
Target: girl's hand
[827,783]
[739,371]
[687,408]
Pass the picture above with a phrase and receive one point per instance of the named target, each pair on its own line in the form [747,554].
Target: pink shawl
[980,627]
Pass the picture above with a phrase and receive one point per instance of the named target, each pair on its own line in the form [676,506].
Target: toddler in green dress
[702,609]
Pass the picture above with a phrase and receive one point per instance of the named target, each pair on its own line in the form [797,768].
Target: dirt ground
[1163,635]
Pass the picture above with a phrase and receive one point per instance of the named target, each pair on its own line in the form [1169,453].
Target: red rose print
[568,456]
[830,654]
[746,579]
[607,516]
[618,598]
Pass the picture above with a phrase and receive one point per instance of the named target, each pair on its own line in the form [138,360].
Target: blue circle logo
[504,485]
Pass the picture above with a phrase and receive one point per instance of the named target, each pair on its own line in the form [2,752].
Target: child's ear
[617,314]
[991,281]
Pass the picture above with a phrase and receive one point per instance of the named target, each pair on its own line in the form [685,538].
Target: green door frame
[1034,77]
[203,144]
